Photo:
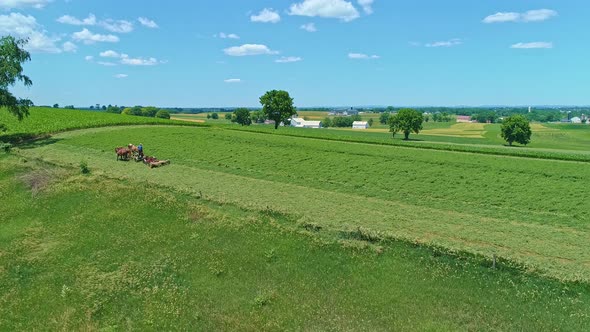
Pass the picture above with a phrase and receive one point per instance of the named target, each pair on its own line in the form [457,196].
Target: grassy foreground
[532,212]
[43,120]
[87,253]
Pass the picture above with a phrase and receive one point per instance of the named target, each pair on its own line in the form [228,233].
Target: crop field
[575,151]
[531,212]
[84,252]
[360,229]
[50,120]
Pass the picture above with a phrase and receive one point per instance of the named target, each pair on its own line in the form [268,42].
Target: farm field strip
[49,120]
[172,262]
[384,189]
[444,143]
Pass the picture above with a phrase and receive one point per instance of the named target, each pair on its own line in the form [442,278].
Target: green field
[88,253]
[43,120]
[257,229]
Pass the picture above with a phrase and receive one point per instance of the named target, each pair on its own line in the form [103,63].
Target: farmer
[140,149]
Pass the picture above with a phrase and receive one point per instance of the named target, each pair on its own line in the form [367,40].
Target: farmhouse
[463,118]
[360,125]
[576,120]
[301,123]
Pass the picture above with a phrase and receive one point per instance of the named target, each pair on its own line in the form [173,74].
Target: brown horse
[123,153]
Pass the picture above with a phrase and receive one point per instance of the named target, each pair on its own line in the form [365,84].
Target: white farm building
[360,125]
[301,123]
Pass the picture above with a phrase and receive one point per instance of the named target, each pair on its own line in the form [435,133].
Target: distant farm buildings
[463,118]
[360,125]
[575,120]
[302,123]
[344,112]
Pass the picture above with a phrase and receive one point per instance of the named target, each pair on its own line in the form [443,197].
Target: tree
[327,123]
[12,56]
[163,114]
[406,121]
[277,105]
[55,105]
[136,110]
[214,116]
[516,128]
[370,122]
[114,110]
[242,116]
[228,116]
[384,117]
[149,111]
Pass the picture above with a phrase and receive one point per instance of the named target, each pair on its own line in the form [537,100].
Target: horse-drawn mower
[131,152]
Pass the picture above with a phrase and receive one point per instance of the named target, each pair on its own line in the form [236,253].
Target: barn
[360,125]
[301,123]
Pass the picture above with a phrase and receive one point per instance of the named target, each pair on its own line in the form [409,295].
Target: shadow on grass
[37,142]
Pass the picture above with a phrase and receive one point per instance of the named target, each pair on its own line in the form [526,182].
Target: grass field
[529,211]
[360,231]
[82,252]
[50,120]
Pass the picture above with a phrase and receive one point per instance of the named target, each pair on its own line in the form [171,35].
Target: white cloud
[287,59]
[447,43]
[367,6]
[22,26]
[537,15]
[121,76]
[340,9]
[532,45]
[249,49]
[266,16]
[233,80]
[88,37]
[361,56]
[502,17]
[8,4]
[69,47]
[148,23]
[89,58]
[106,63]
[224,35]
[109,54]
[118,26]
[67,19]
[126,60]
[309,27]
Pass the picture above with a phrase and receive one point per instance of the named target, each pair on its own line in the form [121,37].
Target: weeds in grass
[84,167]
[263,299]
[6,147]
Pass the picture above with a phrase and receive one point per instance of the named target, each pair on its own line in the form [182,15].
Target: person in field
[140,149]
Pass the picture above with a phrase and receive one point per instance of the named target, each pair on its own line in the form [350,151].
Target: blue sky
[324,52]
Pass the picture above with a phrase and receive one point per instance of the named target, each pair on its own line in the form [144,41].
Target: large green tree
[516,128]
[242,116]
[407,121]
[277,105]
[12,56]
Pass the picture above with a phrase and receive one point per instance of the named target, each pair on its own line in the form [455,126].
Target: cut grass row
[81,253]
[44,120]
[529,211]
[446,143]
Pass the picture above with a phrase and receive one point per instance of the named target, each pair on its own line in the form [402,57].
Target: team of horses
[125,153]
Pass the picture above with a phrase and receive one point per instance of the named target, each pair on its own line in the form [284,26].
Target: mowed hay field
[527,211]
[85,252]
